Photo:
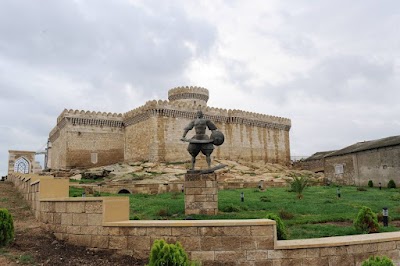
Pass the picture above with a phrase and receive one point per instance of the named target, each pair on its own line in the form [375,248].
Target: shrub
[231,208]
[162,253]
[370,183]
[391,184]
[6,227]
[361,189]
[163,212]
[265,199]
[285,214]
[280,226]
[377,261]
[366,221]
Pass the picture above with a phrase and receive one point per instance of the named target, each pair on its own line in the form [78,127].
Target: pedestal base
[201,194]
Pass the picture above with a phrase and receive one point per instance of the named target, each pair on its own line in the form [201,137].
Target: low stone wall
[104,223]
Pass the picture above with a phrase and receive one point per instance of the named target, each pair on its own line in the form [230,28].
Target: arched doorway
[21,165]
[124,191]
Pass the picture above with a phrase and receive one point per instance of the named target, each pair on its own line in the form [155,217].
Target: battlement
[89,114]
[192,94]
[188,110]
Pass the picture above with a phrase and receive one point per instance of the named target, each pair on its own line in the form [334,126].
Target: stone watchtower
[192,95]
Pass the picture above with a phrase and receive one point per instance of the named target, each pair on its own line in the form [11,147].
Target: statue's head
[199,114]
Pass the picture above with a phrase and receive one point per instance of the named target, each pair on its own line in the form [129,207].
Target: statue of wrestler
[200,141]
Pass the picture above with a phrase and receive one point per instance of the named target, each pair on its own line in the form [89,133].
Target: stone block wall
[201,194]
[103,223]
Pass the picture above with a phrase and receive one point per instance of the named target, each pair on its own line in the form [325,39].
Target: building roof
[367,145]
[318,155]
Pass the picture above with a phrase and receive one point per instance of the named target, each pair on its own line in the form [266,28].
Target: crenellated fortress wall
[86,139]
[152,132]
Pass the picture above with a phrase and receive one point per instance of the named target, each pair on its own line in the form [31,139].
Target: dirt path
[35,246]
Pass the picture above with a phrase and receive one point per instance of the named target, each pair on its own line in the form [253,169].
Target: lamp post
[242,196]
[380,186]
[338,192]
[385,213]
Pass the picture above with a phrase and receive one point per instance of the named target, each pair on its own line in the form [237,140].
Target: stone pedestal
[201,194]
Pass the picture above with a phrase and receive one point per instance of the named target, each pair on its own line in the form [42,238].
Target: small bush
[280,226]
[163,212]
[265,199]
[377,261]
[391,184]
[231,208]
[366,221]
[285,214]
[361,189]
[298,184]
[370,183]
[162,253]
[6,227]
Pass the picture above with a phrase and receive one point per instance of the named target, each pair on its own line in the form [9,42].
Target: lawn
[320,213]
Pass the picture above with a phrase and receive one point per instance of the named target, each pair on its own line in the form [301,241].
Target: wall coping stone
[335,241]
[189,223]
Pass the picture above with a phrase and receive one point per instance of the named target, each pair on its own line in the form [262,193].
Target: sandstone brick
[202,255]
[313,252]
[231,242]
[362,248]
[139,242]
[66,218]
[343,260]
[229,256]
[262,230]
[79,219]
[100,241]
[195,184]
[114,231]
[60,207]
[159,231]
[47,217]
[257,255]
[57,218]
[385,246]
[74,230]
[184,231]
[332,251]
[133,231]
[190,242]
[75,207]
[276,254]
[264,263]
[317,261]
[264,242]
[89,230]
[94,207]
[210,243]
[94,219]
[118,242]
[248,243]
[102,230]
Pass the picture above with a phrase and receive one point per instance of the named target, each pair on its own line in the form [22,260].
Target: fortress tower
[192,95]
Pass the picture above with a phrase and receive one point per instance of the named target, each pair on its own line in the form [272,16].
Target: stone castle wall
[249,136]
[86,139]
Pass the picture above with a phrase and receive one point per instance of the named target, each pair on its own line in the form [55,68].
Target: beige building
[152,132]
[376,160]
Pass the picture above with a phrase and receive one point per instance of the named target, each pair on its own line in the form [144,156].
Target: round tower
[194,95]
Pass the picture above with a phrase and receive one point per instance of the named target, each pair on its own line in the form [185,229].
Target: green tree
[6,227]
[298,184]
[164,254]
[366,221]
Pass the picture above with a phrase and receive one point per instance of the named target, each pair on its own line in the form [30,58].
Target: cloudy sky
[331,66]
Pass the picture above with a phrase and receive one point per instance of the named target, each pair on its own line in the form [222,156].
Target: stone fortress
[152,132]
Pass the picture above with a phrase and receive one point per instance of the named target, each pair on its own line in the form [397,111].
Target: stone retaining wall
[104,223]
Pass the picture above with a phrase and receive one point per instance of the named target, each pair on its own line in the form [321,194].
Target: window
[21,165]
[93,157]
[339,169]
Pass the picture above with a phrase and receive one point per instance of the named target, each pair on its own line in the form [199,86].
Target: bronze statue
[201,141]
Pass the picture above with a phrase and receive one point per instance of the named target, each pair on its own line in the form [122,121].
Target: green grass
[312,216]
